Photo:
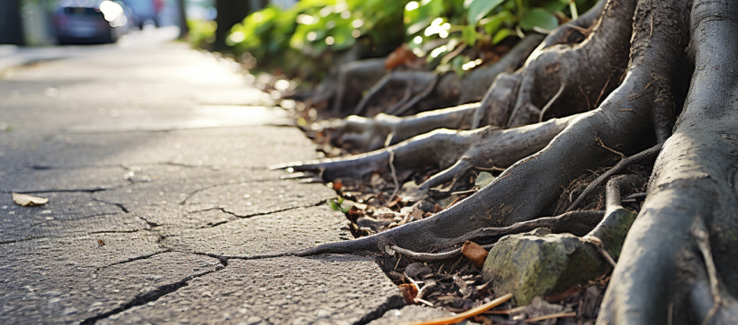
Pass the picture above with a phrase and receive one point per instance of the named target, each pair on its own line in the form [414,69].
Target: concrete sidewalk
[160,206]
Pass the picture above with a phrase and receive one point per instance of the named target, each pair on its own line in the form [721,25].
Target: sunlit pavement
[161,206]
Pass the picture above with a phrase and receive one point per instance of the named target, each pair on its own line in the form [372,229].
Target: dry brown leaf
[475,253]
[26,200]
[409,291]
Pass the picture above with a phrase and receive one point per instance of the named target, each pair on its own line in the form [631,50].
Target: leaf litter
[26,200]
[453,284]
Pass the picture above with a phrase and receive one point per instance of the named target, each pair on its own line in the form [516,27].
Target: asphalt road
[161,206]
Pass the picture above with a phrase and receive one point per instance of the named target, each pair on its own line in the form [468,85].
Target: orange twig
[469,313]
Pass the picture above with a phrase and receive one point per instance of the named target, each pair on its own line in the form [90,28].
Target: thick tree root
[678,262]
[563,69]
[366,134]
[667,272]
[454,151]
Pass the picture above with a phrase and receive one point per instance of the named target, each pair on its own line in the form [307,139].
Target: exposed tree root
[353,78]
[543,71]
[563,69]
[666,273]
[678,262]
[453,151]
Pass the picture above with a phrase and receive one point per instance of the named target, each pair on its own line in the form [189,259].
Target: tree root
[667,271]
[366,134]
[624,162]
[678,262]
[515,99]
[353,78]
[415,83]
[453,151]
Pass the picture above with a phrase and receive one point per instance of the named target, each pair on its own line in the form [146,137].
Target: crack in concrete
[67,190]
[133,259]
[225,258]
[392,302]
[151,295]
[116,231]
[251,181]
[13,241]
[151,224]
[256,214]
[119,205]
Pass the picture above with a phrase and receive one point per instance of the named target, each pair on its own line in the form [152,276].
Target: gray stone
[537,263]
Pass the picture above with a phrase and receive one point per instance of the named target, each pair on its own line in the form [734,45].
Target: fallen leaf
[25,200]
[409,291]
[484,179]
[475,253]
[337,185]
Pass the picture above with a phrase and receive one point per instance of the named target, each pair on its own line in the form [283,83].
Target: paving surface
[161,206]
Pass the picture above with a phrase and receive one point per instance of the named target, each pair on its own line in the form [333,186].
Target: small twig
[602,91]
[642,93]
[399,258]
[424,93]
[619,166]
[606,255]
[404,99]
[551,316]
[394,174]
[425,302]
[469,313]
[428,257]
[601,144]
[522,226]
[388,139]
[490,169]
[551,101]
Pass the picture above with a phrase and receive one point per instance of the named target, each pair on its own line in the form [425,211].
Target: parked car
[145,11]
[90,21]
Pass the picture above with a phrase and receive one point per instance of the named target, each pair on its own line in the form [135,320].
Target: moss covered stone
[537,263]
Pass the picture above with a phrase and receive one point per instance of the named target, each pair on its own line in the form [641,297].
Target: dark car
[90,21]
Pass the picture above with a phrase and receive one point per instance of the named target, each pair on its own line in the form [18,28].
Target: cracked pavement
[161,206]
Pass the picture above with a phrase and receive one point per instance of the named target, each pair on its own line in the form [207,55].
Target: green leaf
[555,5]
[480,8]
[501,35]
[469,35]
[484,179]
[539,17]
[492,24]
[336,204]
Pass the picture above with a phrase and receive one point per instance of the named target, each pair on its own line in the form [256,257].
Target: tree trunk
[230,12]
[184,30]
[11,23]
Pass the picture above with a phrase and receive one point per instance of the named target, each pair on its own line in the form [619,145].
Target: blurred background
[303,40]
[52,22]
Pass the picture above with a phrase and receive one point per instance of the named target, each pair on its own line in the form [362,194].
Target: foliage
[448,25]
[202,33]
[314,28]
[296,39]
